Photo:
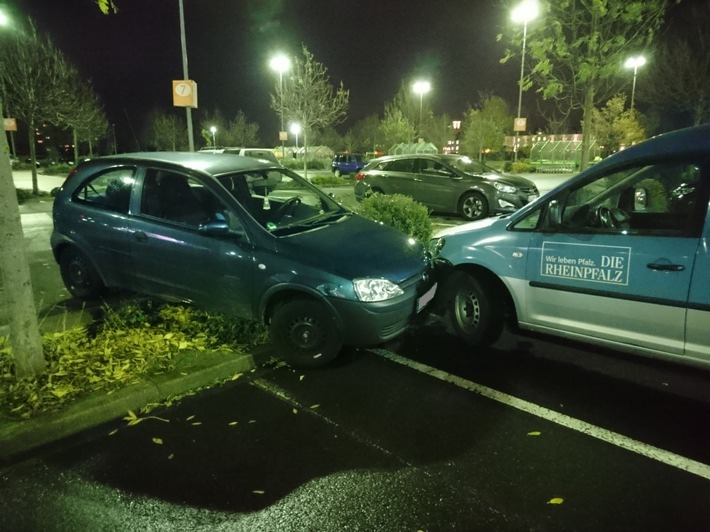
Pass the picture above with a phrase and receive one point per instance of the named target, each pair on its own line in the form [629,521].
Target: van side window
[653,199]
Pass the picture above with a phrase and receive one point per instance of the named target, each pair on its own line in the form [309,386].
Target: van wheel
[475,313]
[473,206]
[79,275]
[305,333]
[337,172]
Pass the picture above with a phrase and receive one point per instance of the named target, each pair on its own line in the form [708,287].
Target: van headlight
[371,290]
[508,189]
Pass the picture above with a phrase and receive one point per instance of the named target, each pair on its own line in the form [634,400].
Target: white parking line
[638,447]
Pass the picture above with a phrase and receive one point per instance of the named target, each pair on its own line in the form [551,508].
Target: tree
[485,128]
[395,127]
[367,134]
[614,126]
[241,132]
[25,340]
[578,52]
[680,77]
[309,98]
[167,132]
[36,80]
[82,111]
[414,110]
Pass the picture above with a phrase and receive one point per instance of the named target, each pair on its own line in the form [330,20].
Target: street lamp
[213,130]
[635,63]
[421,88]
[281,64]
[524,13]
[296,129]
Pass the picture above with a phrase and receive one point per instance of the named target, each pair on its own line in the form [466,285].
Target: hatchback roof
[204,161]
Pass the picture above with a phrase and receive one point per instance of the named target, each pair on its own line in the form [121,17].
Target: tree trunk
[76,145]
[305,154]
[25,339]
[587,127]
[33,157]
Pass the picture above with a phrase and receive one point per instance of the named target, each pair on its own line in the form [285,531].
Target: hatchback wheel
[473,206]
[79,275]
[305,333]
[475,313]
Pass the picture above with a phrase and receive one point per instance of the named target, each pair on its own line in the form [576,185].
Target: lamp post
[213,130]
[188,110]
[524,13]
[281,64]
[296,129]
[635,63]
[421,88]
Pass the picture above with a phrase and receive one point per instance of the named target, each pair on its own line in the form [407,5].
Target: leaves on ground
[556,500]
[135,340]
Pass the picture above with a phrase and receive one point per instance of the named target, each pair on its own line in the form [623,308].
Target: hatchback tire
[79,275]
[476,314]
[473,206]
[305,333]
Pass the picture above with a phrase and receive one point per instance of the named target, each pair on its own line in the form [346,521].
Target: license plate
[426,298]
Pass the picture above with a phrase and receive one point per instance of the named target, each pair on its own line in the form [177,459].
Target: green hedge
[400,212]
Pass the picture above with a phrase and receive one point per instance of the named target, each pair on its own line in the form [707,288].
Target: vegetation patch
[400,212]
[138,339]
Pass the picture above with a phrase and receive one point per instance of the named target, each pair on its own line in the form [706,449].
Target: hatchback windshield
[279,200]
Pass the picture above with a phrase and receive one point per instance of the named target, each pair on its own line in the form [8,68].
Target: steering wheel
[612,218]
[286,207]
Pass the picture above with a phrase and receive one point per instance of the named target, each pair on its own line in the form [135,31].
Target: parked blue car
[242,236]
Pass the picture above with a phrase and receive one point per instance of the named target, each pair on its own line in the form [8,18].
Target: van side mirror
[554,214]
[640,199]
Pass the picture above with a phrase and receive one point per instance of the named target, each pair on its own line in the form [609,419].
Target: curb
[19,437]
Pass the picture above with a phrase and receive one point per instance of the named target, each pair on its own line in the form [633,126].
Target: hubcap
[472,207]
[468,310]
[304,333]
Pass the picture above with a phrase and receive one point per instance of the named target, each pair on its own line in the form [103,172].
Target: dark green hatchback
[240,236]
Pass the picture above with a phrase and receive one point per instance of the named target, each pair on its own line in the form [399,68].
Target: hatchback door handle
[140,236]
[666,267]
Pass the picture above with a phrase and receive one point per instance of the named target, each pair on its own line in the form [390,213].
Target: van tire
[473,309]
[305,333]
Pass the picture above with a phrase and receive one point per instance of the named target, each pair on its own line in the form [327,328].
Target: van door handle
[666,267]
[140,236]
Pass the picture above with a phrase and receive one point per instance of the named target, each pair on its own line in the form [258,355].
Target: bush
[522,167]
[400,212]
[330,181]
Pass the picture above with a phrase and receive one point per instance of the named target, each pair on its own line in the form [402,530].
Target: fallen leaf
[114,431]
[556,500]
[294,411]
[259,492]
[236,376]
[301,377]
[233,423]
[170,456]
[197,423]
[158,441]
[252,421]
[190,418]
[534,433]
[313,407]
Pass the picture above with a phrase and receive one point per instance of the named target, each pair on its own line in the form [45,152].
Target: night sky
[372,46]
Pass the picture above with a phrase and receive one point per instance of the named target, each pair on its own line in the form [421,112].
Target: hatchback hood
[354,247]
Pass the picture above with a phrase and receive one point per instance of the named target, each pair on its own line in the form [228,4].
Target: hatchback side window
[652,199]
[110,190]
[178,198]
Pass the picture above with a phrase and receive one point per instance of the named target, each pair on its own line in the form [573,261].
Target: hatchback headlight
[508,189]
[370,290]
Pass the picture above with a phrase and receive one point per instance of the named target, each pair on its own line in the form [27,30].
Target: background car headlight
[508,189]
[370,290]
